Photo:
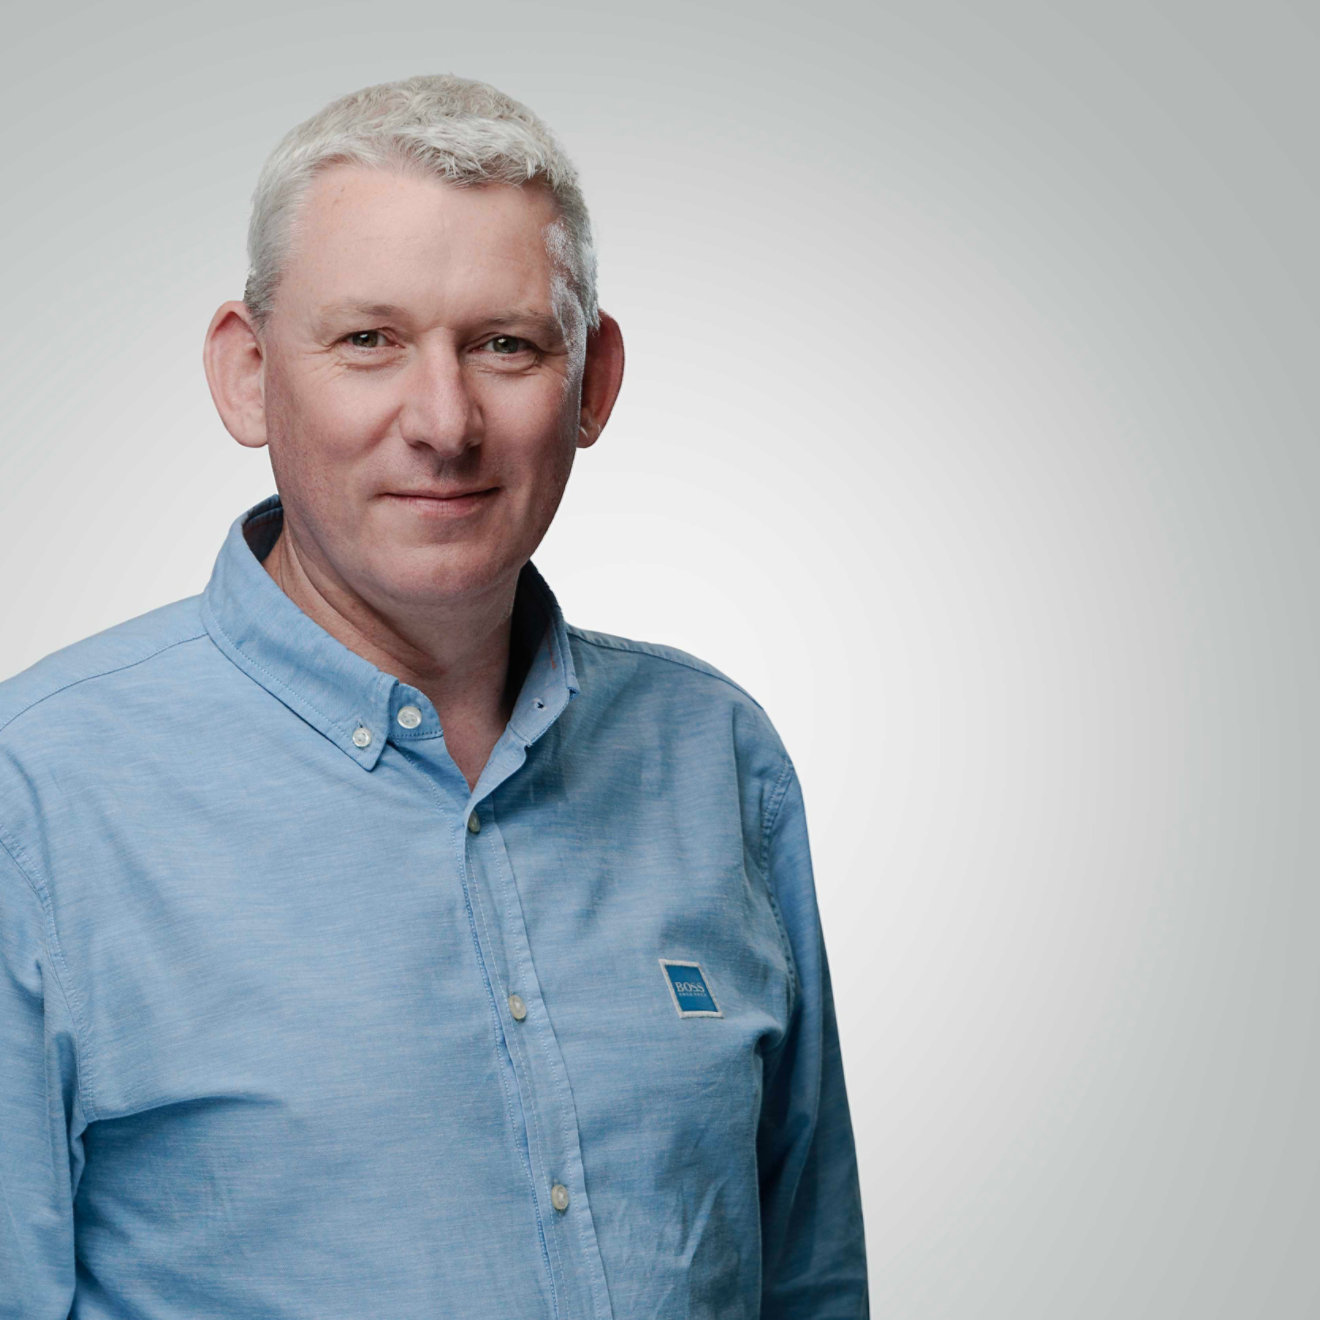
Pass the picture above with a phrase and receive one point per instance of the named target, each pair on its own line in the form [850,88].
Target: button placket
[500,933]
[552,1121]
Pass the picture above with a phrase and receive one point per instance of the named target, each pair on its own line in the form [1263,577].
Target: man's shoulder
[665,674]
[660,659]
[55,685]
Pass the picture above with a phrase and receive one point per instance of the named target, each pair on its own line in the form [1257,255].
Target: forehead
[392,235]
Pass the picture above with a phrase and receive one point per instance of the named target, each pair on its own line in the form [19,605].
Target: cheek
[542,421]
[325,422]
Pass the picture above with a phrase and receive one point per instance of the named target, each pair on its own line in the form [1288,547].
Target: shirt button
[559,1196]
[474,823]
[409,716]
[361,736]
[517,1007]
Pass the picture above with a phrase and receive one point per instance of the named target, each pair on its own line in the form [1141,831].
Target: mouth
[444,503]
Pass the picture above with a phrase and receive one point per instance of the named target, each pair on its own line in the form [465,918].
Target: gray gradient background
[969,422]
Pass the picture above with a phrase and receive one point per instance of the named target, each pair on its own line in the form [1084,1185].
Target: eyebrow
[546,324]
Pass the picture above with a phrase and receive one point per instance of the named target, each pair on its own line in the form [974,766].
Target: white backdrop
[969,422]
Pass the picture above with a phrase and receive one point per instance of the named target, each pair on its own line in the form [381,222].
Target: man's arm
[41,1121]
[814,1255]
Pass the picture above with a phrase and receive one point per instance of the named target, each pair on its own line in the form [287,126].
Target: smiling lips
[443,502]
[440,494]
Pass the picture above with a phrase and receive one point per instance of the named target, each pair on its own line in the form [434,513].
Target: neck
[458,654]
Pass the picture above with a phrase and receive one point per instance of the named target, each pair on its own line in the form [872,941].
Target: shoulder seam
[611,643]
[60,968]
[774,803]
[101,673]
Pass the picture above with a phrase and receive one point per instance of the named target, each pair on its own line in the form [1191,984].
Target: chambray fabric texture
[258,1055]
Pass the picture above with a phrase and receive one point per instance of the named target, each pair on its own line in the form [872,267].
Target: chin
[443,572]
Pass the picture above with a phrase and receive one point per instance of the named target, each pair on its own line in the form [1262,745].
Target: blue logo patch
[688,989]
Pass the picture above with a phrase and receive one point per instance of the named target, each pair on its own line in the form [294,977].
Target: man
[372,941]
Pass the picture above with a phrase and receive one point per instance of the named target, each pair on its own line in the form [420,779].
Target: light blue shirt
[296,1026]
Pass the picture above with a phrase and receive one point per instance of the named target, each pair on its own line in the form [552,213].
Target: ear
[234,361]
[602,375]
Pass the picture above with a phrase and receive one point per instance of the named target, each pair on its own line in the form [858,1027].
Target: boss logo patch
[689,990]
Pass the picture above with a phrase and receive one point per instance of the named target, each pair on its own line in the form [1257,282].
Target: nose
[438,408]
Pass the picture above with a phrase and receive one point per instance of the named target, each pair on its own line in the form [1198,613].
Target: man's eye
[361,334]
[508,345]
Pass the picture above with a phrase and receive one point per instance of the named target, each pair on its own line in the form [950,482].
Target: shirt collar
[337,691]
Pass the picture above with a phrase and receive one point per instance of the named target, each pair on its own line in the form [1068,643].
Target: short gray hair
[457,129]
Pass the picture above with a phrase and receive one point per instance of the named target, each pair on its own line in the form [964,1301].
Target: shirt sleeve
[41,1122]
[813,1250]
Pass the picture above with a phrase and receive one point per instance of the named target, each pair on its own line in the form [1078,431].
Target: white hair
[465,132]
